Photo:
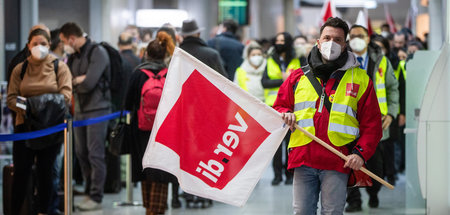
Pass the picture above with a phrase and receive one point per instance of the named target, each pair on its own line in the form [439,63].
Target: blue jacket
[230,50]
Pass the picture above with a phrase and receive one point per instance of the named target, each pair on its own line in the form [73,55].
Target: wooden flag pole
[338,153]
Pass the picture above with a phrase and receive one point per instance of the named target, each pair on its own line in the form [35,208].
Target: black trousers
[377,165]
[24,158]
[278,163]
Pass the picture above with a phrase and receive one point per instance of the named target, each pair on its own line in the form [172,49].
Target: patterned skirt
[154,196]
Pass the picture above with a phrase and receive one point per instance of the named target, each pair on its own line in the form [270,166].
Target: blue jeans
[309,182]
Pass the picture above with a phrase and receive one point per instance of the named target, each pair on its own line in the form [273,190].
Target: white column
[289,17]
[95,20]
[436,36]
[29,11]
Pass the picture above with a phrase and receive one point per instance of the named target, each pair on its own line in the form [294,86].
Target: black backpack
[117,82]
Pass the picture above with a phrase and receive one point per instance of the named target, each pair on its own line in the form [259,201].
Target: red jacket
[313,154]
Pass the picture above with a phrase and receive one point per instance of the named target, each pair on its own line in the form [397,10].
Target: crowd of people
[68,62]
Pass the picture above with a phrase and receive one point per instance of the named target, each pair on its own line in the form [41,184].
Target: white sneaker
[90,205]
[85,199]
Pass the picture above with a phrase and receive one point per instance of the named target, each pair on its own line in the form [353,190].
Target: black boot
[353,208]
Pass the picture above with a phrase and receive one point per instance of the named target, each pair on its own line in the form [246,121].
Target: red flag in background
[213,136]
[408,21]
[389,19]
[369,25]
[328,10]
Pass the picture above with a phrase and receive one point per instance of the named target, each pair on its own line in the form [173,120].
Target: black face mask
[280,48]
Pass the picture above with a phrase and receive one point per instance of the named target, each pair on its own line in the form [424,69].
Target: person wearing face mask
[302,48]
[346,112]
[90,67]
[379,69]
[280,65]
[36,76]
[248,75]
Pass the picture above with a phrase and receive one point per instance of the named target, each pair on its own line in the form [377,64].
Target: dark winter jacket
[198,48]
[230,49]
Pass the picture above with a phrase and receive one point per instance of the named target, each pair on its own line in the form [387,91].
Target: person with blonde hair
[154,182]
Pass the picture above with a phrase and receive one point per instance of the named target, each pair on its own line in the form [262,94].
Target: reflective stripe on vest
[241,77]
[274,72]
[305,98]
[380,80]
[343,125]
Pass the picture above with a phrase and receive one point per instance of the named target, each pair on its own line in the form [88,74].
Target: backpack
[117,83]
[150,96]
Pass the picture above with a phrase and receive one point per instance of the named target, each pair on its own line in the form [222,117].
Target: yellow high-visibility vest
[241,77]
[380,86]
[400,69]
[274,72]
[343,125]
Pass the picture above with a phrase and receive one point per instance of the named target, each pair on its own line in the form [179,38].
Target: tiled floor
[265,199]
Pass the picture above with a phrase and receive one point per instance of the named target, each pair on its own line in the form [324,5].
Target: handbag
[117,136]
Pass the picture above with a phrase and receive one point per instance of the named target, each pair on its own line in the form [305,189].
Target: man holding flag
[341,108]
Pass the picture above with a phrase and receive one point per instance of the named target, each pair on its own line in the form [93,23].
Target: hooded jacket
[313,154]
[253,76]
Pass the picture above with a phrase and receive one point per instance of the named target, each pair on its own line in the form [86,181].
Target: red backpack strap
[163,72]
[148,73]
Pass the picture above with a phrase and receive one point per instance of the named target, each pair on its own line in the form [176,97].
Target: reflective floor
[265,199]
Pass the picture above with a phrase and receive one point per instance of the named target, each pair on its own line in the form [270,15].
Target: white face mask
[39,52]
[385,34]
[256,60]
[330,50]
[300,50]
[357,44]
[68,49]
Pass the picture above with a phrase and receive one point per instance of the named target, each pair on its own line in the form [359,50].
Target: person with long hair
[154,182]
[279,66]
[36,76]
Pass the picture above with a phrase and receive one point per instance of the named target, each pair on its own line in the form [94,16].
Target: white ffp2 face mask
[357,44]
[330,50]
[39,52]
[256,60]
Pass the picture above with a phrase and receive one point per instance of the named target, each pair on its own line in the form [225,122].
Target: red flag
[369,25]
[389,19]
[213,136]
[328,10]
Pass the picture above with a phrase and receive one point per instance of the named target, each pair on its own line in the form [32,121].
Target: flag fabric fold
[213,136]
[328,10]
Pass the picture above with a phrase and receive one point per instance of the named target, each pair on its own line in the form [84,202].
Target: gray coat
[392,93]
[93,93]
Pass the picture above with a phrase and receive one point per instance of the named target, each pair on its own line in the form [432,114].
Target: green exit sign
[234,9]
